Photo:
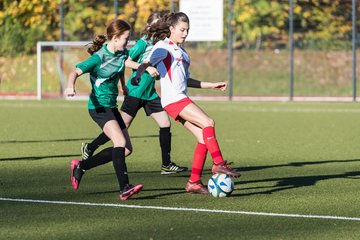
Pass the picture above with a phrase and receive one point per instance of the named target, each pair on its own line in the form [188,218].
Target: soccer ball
[220,185]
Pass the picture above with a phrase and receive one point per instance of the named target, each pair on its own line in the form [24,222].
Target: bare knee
[209,123]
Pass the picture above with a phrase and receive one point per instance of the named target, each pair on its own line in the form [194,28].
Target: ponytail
[97,44]
[116,28]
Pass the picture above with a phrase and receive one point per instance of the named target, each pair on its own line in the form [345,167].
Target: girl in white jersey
[173,63]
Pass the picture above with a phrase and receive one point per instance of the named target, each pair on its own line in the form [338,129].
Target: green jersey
[105,69]
[146,89]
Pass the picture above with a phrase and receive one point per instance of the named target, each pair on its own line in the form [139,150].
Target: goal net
[55,61]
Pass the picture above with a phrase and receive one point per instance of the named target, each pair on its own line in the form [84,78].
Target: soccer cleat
[172,168]
[76,173]
[85,152]
[225,169]
[196,187]
[129,190]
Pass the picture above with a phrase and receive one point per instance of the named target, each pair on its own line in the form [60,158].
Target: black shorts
[103,115]
[131,106]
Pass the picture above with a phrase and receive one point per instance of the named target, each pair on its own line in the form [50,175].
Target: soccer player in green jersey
[106,67]
[143,96]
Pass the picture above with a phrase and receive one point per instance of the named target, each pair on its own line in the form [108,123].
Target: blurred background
[278,48]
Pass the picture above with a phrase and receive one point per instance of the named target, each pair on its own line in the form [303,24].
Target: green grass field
[301,160]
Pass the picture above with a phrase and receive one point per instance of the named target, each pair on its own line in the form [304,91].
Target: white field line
[183,209]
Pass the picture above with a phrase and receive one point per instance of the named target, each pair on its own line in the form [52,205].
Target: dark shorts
[103,115]
[131,106]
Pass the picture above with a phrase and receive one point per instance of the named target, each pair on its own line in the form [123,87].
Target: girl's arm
[125,90]
[199,84]
[135,65]
[70,89]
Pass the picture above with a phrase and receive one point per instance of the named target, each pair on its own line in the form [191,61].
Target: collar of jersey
[168,41]
[111,53]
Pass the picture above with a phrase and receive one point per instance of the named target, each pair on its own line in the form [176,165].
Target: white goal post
[55,44]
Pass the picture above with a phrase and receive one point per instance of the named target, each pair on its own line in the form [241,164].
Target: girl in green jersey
[106,67]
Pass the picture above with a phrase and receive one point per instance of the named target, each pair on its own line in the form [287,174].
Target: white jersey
[172,63]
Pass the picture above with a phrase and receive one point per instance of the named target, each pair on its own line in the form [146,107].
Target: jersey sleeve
[157,54]
[89,64]
[137,50]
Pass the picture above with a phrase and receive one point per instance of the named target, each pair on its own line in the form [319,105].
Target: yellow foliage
[38,9]
[297,9]
[306,14]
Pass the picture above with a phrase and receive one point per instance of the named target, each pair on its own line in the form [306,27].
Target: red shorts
[174,109]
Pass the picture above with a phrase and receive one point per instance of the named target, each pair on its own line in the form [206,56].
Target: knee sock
[97,142]
[118,158]
[212,144]
[101,158]
[198,162]
[165,144]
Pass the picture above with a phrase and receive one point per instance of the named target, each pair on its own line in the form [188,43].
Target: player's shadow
[167,192]
[67,139]
[288,183]
[294,164]
[33,158]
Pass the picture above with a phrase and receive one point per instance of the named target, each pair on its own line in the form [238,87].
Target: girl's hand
[152,71]
[69,92]
[125,90]
[220,85]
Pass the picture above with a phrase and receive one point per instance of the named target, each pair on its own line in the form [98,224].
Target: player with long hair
[143,96]
[106,67]
[173,63]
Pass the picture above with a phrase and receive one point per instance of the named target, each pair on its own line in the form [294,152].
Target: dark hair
[153,16]
[116,28]
[161,29]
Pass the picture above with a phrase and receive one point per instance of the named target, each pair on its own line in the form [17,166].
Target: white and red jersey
[172,63]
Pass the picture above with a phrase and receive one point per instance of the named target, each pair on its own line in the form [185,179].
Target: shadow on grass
[294,164]
[67,140]
[174,191]
[38,157]
[288,183]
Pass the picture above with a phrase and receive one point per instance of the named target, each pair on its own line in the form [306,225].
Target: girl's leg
[194,185]
[88,149]
[196,116]
[168,167]
[127,119]
[162,119]
[113,131]
[199,153]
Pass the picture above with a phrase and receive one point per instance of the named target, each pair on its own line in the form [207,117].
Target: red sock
[212,144]
[198,162]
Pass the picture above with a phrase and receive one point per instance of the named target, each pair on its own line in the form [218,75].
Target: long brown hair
[153,16]
[161,29]
[116,28]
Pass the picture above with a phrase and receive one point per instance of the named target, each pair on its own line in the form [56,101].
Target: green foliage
[16,39]
[257,24]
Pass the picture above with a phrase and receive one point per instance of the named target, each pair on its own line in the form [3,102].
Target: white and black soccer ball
[220,185]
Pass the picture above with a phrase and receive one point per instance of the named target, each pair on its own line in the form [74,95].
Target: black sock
[165,144]
[101,158]
[118,158]
[97,142]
